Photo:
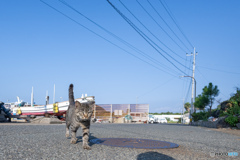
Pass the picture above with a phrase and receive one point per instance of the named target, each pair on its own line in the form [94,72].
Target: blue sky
[40,47]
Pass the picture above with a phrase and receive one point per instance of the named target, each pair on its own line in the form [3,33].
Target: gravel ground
[28,141]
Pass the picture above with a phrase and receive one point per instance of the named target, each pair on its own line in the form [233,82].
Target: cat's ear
[77,104]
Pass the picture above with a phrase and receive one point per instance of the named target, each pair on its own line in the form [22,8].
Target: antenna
[32,98]
[47,98]
[18,99]
[54,94]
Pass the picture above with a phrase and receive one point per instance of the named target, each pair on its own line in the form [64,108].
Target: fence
[122,113]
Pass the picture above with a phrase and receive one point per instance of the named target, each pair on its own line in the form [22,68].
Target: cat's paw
[86,147]
[67,135]
[73,141]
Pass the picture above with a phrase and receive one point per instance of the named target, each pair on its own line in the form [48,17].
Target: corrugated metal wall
[122,113]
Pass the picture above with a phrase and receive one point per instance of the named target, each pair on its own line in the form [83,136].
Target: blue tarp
[5,110]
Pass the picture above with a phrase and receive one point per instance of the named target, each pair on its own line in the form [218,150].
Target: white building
[175,118]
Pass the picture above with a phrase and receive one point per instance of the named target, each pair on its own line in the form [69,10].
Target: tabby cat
[78,114]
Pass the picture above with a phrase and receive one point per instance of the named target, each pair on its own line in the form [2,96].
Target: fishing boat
[57,109]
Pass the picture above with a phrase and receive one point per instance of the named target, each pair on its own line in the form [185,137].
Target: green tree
[236,97]
[168,119]
[234,103]
[187,106]
[201,101]
[210,92]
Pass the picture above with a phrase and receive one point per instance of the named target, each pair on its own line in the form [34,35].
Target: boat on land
[57,109]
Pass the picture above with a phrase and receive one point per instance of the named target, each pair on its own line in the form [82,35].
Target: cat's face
[84,111]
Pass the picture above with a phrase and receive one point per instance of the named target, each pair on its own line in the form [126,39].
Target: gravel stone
[34,141]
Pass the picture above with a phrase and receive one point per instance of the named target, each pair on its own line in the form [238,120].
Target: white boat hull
[48,109]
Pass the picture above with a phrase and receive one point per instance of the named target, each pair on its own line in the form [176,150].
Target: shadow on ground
[153,156]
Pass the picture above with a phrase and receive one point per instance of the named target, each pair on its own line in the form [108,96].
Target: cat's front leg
[73,133]
[85,130]
[67,131]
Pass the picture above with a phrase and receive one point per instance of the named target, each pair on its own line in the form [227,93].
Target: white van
[162,120]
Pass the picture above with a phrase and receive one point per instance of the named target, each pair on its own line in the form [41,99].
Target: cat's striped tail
[71,95]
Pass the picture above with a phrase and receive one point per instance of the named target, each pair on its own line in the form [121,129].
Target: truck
[152,119]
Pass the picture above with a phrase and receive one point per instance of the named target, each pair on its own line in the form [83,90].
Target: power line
[147,39]
[96,24]
[157,87]
[203,75]
[103,37]
[118,38]
[185,84]
[149,30]
[155,37]
[209,81]
[188,89]
[168,11]
[221,65]
[161,27]
[219,70]
[166,23]
[190,63]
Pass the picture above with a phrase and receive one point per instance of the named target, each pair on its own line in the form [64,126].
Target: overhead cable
[188,89]
[219,70]
[168,11]
[157,87]
[143,35]
[166,23]
[103,37]
[203,75]
[149,30]
[160,26]
[117,37]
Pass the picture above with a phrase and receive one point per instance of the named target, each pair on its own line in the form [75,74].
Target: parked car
[162,120]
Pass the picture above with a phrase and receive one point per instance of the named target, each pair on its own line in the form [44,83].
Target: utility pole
[193,82]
